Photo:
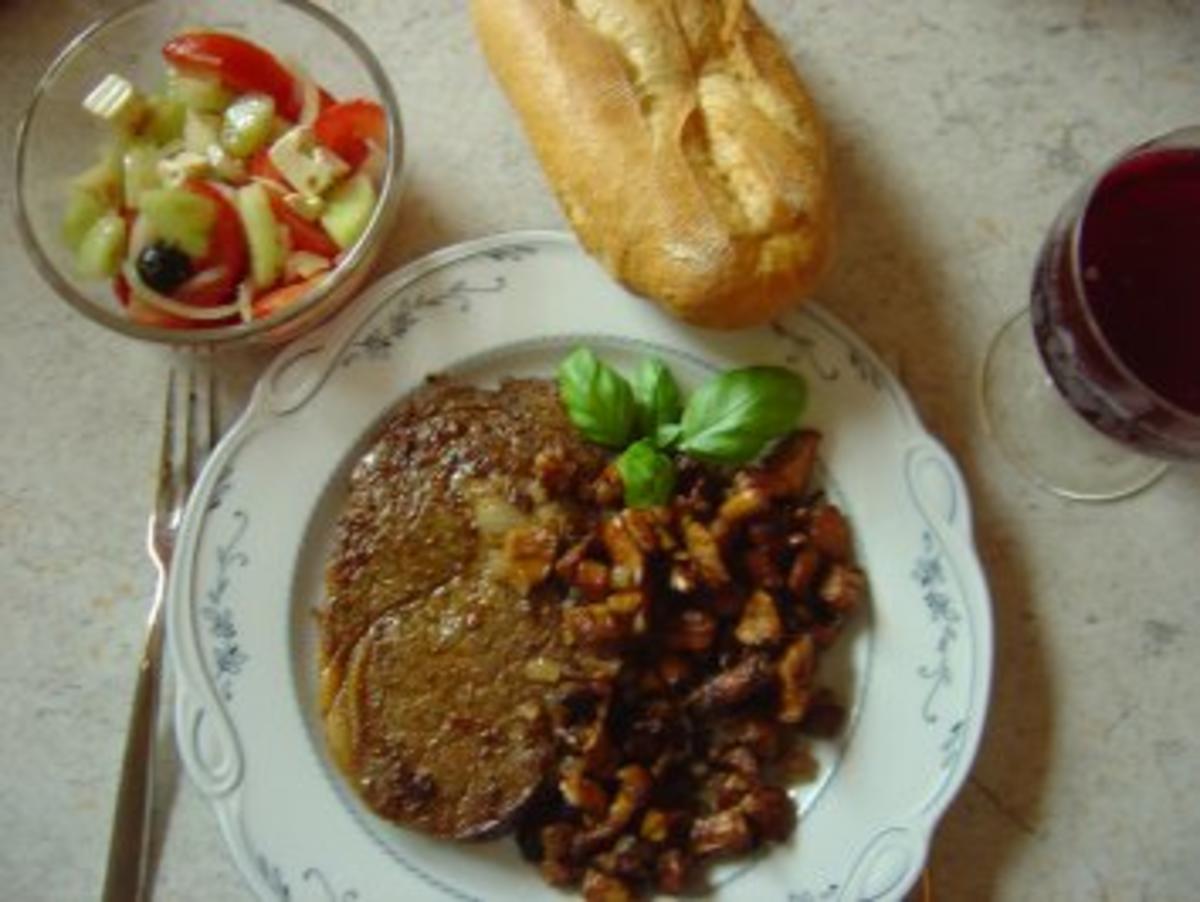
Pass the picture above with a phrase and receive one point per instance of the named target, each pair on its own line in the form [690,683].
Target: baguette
[680,142]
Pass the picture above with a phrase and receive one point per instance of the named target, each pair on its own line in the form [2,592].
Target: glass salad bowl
[63,145]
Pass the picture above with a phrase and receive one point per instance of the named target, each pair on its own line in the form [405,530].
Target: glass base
[1043,436]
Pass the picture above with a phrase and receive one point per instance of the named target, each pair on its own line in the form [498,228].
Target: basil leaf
[732,417]
[667,435]
[648,474]
[658,399]
[597,398]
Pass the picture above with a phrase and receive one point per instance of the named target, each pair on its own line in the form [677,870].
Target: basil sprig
[598,399]
[729,420]
[648,475]
[734,416]
[659,401]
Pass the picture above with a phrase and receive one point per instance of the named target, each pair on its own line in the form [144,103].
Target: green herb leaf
[648,474]
[597,398]
[658,399]
[667,435]
[734,415]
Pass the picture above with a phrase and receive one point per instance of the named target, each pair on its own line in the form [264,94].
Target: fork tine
[188,473]
[164,496]
[211,424]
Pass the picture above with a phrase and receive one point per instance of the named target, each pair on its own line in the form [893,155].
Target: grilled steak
[438,632]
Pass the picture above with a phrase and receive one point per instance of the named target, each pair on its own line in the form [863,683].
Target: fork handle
[129,841]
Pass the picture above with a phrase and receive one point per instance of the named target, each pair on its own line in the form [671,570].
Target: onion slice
[245,301]
[310,94]
[204,278]
[141,234]
[184,311]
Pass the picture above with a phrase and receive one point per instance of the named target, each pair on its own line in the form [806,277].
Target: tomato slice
[345,128]
[274,301]
[306,236]
[121,289]
[226,249]
[239,64]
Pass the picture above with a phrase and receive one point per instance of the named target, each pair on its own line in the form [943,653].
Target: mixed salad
[227,195]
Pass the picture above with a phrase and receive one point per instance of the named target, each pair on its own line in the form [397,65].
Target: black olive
[163,266]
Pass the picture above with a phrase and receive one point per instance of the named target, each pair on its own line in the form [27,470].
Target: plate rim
[951,522]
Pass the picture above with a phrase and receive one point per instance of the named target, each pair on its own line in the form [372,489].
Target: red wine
[1116,302]
[1140,258]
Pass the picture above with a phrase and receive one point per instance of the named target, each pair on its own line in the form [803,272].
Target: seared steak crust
[426,640]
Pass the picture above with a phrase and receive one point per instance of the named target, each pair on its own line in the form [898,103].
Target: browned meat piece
[600,887]
[830,534]
[741,682]
[581,792]
[557,872]
[742,504]
[760,735]
[843,588]
[647,527]
[593,625]
[655,826]
[528,556]
[763,569]
[607,489]
[694,630]
[705,554]
[770,812]
[630,860]
[724,833]
[825,715]
[628,562]
[684,579]
[742,760]
[709,613]
[424,643]
[803,572]
[591,579]
[728,789]
[672,873]
[795,679]
[760,623]
[570,560]
[788,470]
[634,783]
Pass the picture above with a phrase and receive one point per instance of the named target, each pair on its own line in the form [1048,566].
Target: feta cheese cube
[117,102]
[308,167]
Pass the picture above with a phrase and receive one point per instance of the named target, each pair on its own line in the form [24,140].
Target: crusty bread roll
[681,144]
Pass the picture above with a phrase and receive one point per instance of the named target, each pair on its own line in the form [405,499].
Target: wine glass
[1115,318]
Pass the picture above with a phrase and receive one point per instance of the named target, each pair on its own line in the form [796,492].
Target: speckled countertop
[958,128]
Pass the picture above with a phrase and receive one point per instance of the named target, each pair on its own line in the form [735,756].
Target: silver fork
[179,463]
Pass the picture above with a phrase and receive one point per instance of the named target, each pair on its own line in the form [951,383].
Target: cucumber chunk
[248,124]
[103,247]
[164,120]
[83,209]
[204,95]
[181,217]
[105,179]
[262,234]
[141,172]
[348,209]
[200,132]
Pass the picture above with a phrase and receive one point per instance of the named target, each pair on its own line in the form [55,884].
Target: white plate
[915,669]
